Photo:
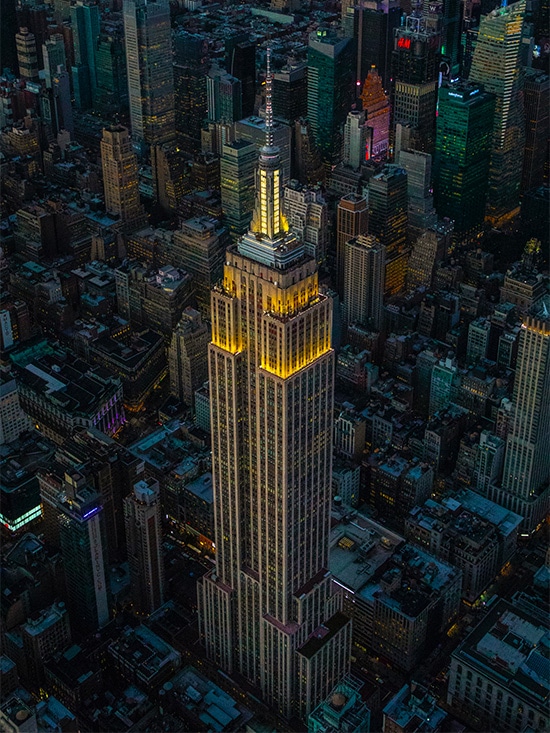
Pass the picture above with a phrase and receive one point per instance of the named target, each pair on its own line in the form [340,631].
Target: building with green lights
[462,154]
[330,63]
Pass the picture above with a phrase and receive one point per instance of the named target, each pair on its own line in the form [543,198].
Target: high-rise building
[267,609]
[388,221]
[199,248]
[444,375]
[237,166]
[372,24]
[462,154]
[352,220]
[421,212]
[329,89]
[53,55]
[26,54]
[224,96]
[497,65]
[376,107]
[120,177]
[85,22]
[357,140]
[187,356]
[150,70]
[536,101]
[240,62]
[364,277]
[13,420]
[307,213]
[527,461]
[85,559]
[191,65]
[142,517]
[111,92]
[430,248]
[290,92]
[308,164]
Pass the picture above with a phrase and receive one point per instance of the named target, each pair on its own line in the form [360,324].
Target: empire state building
[267,610]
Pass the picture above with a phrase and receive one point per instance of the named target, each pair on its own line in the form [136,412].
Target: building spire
[268,102]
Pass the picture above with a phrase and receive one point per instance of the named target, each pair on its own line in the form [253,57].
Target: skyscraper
[224,95]
[357,140]
[352,219]
[462,153]
[26,54]
[187,356]
[364,276]
[527,461]
[307,213]
[497,65]
[120,176]
[388,221]
[240,62]
[144,544]
[150,70]
[267,609]
[372,24]
[85,26]
[376,107]
[290,91]
[536,100]
[111,92]
[191,66]
[53,55]
[237,166]
[329,89]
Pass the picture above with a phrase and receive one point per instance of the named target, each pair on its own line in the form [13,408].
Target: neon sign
[403,42]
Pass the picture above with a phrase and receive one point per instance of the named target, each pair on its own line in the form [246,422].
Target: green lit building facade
[462,154]
[329,90]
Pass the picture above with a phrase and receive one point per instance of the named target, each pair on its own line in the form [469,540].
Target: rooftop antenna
[268,104]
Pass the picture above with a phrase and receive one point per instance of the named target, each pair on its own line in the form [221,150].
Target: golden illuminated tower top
[269,240]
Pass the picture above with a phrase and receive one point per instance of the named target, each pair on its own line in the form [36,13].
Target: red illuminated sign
[403,42]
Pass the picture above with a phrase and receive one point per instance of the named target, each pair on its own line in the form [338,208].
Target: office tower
[497,65]
[307,214]
[376,107]
[63,111]
[26,54]
[352,220]
[111,93]
[267,610]
[224,96]
[120,177]
[308,164]
[447,18]
[237,166]
[144,545]
[187,356]
[290,92]
[357,140]
[171,171]
[329,90]
[443,377]
[252,129]
[430,248]
[489,461]
[364,277]
[421,212]
[372,23]
[53,55]
[527,461]
[388,221]
[415,73]
[462,154]
[240,62]
[85,22]
[536,101]
[191,65]
[199,248]
[150,70]
[85,558]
